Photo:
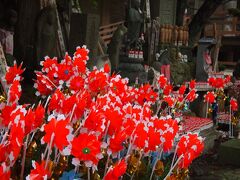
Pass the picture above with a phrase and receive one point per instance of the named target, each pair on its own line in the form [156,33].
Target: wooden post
[60,34]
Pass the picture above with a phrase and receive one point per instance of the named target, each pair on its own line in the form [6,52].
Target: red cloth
[165,70]
[207,58]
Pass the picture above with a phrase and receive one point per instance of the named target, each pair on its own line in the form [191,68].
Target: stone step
[229,152]
[210,136]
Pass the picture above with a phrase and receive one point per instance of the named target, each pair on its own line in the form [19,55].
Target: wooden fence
[106,32]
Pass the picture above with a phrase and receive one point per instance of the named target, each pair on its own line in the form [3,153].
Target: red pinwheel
[5,172]
[39,115]
[169,134]
[29,120]
[146,94]
[50,66]
[182,89]
[160,125]
[80,65]
[129,121]
[16,115]
[13,72]
[6,114]
[169,100]
[82,52]
[167,139]
[116,141]
[116,120]
[65,72]
[15,92]
[80,59]
[219,83]
[141,136]
[58,131]
[211,81]
[39,172]
[34,118]
[115,172]
[130,95]
[15,139]
[68,104]
[106,68]
[86,147]
[4,151]
[56,102]
[191,96]
[167,90]
[234,104]
[83,102]
[180,98]
[172,125]
[77,83]
[162,81]
[154,139]
[192,84]
[190,146]
[95,121]
[227,79]
[147,111]
[67,59]
[118,85]
[98,81]
[43,85]
[182,145]
[209,97]
[216,82]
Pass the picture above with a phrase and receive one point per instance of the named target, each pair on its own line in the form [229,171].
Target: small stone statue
[46,33]
[114,47]
[134,24]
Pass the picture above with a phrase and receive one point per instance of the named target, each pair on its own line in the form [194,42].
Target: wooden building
[110,11]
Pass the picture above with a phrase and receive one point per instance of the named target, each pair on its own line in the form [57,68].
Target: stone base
[229,152]
[125,59]
[210,136]
[133,71]
[131,67]
[142,76]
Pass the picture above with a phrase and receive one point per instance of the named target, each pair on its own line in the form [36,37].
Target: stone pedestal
[132,69]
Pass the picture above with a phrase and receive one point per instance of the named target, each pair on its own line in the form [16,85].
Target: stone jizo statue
[134,24]
[47,33]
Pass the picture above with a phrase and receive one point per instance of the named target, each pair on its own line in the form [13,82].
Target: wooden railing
[106,32]
[220,24]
